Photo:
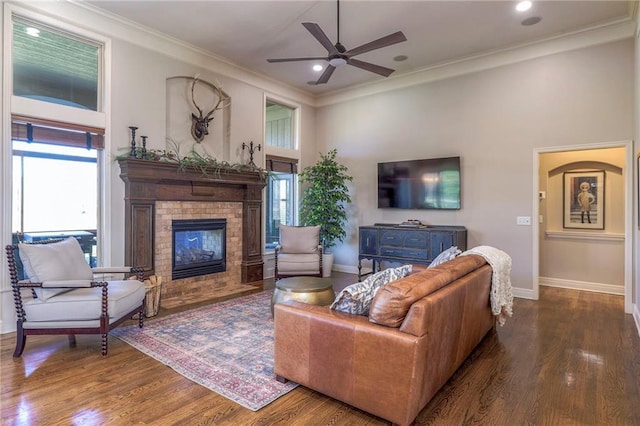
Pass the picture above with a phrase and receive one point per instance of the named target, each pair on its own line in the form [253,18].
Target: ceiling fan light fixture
[337,62]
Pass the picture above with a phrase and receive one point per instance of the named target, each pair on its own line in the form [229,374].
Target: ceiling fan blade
[317,32]
[326,74]
[323,58]
[385,41]
[371,67]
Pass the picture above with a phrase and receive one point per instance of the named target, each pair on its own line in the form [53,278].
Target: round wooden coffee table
[313,290]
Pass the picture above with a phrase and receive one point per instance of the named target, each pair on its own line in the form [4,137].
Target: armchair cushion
[299,239]
[85,304]
[58,261]
[298,263]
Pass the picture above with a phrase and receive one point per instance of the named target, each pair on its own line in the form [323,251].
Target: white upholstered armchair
[65,298]
[299,252]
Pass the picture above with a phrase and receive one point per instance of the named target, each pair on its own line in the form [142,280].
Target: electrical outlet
[523,220]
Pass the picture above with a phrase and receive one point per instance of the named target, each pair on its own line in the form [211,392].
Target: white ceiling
[248,32]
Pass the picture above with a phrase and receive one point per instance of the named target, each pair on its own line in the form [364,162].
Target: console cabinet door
[439,241]
[368,241]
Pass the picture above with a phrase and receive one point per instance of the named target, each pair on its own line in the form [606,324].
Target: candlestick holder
[252,150]
[133,141]
[144,146]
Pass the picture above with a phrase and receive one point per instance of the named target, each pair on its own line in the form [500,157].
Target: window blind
[281,164]
[29,129]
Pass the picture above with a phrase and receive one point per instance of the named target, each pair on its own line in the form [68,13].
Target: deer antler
[221,98]
[193,98]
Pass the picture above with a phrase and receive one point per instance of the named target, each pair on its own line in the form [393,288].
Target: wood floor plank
[571,358]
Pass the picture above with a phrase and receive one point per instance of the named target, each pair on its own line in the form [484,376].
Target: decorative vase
[327,264]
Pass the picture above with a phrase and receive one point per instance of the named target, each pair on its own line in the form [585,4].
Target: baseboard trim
[582,285]
[523,293]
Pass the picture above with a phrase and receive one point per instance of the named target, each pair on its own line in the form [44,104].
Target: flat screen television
[432,183]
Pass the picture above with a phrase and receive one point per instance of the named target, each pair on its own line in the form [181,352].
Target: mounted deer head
[200,122]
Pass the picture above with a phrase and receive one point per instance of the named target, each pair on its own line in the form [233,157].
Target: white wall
[493,119]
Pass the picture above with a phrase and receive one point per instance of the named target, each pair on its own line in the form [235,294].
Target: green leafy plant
[324,199]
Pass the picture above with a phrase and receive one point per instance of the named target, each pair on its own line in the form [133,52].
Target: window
[280,205]
[55,194]
[53,66]
[280,126]
[56,166]
[282,185]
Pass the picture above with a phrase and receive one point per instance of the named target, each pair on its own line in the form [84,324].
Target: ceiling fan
[338,55]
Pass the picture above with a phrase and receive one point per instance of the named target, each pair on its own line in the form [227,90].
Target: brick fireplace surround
[157,193]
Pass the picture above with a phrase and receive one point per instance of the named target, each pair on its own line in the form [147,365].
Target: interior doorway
[569,251]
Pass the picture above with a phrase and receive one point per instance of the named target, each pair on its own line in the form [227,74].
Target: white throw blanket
[501,291]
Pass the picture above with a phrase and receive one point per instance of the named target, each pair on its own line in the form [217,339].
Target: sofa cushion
[356,298]
[299,239]
[85,304]
[391,304]
[448,254]
[60,261]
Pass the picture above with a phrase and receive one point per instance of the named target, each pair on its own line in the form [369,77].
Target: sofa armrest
[350,359]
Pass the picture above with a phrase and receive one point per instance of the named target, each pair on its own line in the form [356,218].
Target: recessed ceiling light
[33,31]
[318,67]
[531,21]
[400,58]
[523,6]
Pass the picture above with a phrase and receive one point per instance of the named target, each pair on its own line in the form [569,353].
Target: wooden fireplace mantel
[148,181]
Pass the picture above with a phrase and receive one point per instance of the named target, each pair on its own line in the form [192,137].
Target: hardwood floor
[572,358]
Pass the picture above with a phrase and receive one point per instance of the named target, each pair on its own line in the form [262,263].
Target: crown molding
[617,30]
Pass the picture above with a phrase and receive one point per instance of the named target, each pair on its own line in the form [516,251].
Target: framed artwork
[583,200]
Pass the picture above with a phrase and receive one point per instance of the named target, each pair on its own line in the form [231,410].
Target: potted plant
[323,202]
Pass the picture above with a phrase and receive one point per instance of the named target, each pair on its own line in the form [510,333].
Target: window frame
[282,153]
[48,111]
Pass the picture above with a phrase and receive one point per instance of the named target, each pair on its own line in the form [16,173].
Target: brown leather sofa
[419,331]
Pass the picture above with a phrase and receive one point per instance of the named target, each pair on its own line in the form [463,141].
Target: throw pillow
[299,239]
[356,298]
[59,261]
[448,254]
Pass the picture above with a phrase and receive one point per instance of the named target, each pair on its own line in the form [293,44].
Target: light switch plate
[523,220]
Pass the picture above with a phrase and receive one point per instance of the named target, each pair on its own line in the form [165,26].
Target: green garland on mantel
[204,164]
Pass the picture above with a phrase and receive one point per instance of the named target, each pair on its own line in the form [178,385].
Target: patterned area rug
[226,347]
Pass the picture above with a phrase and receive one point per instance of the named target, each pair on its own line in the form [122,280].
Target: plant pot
[327,264]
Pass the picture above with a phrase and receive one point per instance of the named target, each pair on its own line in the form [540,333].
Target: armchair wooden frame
[103,329]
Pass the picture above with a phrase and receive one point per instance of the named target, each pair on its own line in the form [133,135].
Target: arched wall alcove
[217,143]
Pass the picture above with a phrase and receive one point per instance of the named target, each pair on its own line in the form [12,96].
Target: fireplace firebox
[199,247]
